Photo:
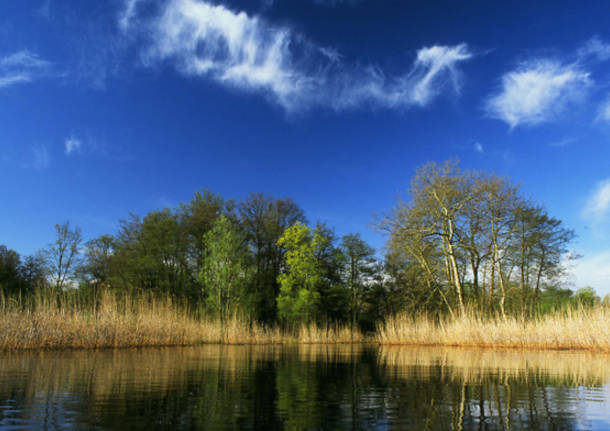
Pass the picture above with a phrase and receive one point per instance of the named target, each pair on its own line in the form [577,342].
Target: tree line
[471,239]
[460,240]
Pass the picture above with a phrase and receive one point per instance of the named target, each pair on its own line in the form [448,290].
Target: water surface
[304,387]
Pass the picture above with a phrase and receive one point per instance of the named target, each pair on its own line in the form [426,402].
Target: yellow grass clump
[582,328]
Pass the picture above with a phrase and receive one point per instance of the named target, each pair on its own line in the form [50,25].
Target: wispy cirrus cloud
[72,145]
[44,10]
[597,207]
[595,48]
[40,157]
[537,91]
[127,14]
[563,142]
[603,111]
[593,270]
[248,53]
[20,67]
[85,144]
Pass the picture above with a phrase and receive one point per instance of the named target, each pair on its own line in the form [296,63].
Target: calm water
[306,387]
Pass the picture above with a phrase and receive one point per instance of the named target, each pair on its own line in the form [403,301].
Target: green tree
[151,253]
[264,220]
[33,272]
[586,296]
[96,266]
[197,217]
[298,300]
[224,271]
[358,269]
[334,294]
[10,270]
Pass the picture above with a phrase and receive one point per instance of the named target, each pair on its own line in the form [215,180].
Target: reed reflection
[300,387]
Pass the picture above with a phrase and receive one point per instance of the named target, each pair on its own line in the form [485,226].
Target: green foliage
[462,239]
[224,271]
[358,269]
[96,268]
[21,276]
[10,270]
[264,219]
[197,217]
[586,297]
[298,300]
[554,298]
[150,253]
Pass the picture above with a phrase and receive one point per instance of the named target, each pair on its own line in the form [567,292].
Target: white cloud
[431,63]
[129,11]
[478,147]
[537,91]
[8,80]
[40,157]
[564,142]
[72,145]
[603,113]
[24,59]
[595,48]
[593,270]
[45,9]
[247,53]
[597,206]
[22,66]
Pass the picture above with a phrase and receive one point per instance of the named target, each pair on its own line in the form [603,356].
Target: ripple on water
[304,387]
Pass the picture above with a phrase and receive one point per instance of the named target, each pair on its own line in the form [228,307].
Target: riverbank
[572,329]
[120,321]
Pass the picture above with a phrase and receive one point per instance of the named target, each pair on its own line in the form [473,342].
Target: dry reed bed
[50,322]
[578,329]
[121,321]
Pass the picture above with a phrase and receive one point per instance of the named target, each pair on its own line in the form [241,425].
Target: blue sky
[113,107]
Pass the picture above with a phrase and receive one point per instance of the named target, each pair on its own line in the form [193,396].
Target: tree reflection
[298,387]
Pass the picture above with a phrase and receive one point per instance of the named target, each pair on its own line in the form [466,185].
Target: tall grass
[579,328]
[71,320]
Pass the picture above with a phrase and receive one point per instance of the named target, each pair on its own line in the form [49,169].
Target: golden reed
[50,321]
[573,329]
[67,321]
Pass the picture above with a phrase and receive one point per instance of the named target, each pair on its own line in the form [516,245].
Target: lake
[304,387]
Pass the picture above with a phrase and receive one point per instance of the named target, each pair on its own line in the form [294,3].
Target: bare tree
[62,255]
[470,235]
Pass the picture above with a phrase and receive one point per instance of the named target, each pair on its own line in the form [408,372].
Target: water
[304,387]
